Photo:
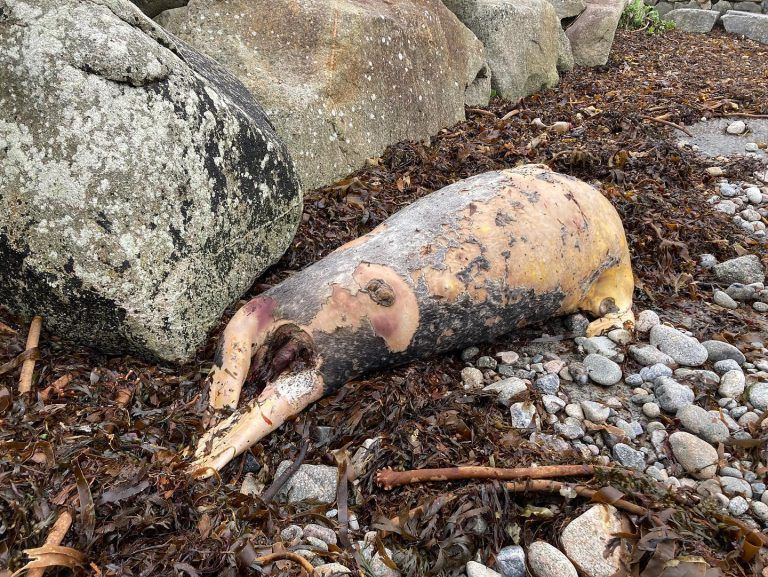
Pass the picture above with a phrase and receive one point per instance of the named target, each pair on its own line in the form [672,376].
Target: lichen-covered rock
[591,34]
[743,23]
[143,189]
[521,42]
[341,79]
[693,19]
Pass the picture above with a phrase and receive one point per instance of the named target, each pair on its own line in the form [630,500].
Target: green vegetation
[638,16]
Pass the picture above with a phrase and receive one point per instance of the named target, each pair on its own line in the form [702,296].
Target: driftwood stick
[389,478]
[28,368]
[746,115]
[286,556]
[482,112]
[55,537]
[548,486]
[667,123]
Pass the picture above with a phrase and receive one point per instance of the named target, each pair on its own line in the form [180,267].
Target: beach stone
[650,374]
[732,384]
[724,300]
[736,127]
[548,384]
[695,455]
[648,355]
[510,561]
[600,345]
[585,541]
[143,188]
[570,428]
[719,351]
[701,423]
[683,349]
[522,57]
[507,389]
[592,33]
[758,396]
[733,486]
[629,457]
[738,506]
[646,320]
[671,395]
[324,534]
[595,412]
[331,570]
[726,365]
[651,410]
[693,19]
[340,79]
[471,378]
[544,560]
[745,269]
[602,370]
[314,483]
[759,508]
[753,26]
[552,403]
[475,569]
[565,61]
[523,415]
[741,292]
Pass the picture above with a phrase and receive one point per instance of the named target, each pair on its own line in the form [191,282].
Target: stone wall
[722,6]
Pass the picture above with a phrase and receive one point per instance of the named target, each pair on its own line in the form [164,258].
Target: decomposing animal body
[463,265]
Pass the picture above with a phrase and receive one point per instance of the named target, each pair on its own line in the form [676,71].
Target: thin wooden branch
[55,537]
[389,478]
[667,123]
[548,486]
[28,368]
[483,112]
[286,556]
[745,115]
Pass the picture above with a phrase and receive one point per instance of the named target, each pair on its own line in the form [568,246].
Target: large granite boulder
[753,26]
[693,20]
[521,42]
[143,189]
[568,8]
[591,34]
[341,79]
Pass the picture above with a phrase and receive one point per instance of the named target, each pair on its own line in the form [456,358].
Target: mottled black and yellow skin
[463,265]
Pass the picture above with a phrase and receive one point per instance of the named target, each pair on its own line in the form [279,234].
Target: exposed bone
[463,265]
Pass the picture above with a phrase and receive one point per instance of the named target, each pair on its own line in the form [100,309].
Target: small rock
[469,353]
[726,365]
[634,380]
[695,455]
[586,540]
[749,418]
[576,324]
[629,457]
[309,483]
[759,508]
[331,570]
[732,384]
[751,147]
[370,554]
[672,396]
[741,292]
[523,415]
[719,351]
[758,396]
[507,389]
[738,506]
[683,349]
[620,336]
[575,411]
[707,261]
[251,486]
[292,534]
[598,346]
[736,127]
[486,363]
[472,378]
[731,472]
[474,569]
[324,534]
[754,195]
[745,269]
[701,423]
[596,412]
[721,298]
[760,307]
[602,370]
[650,374]
[510,561]
[733,486]
[570,428]
[548,384]
[552,403]
[651,410]
[715,171]
[648,355]
[646,320]
[544,560]
[508,357]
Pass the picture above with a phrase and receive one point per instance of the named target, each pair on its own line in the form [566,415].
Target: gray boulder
[753,26]
[745,269]
[565,61]
[568,8]
[693,20]
[591,34]
[341,79]
[143,188]
[520,39]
